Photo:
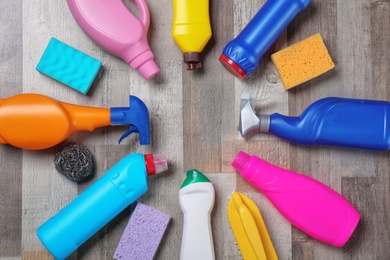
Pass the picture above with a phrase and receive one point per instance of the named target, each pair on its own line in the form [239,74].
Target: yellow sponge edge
[302,61]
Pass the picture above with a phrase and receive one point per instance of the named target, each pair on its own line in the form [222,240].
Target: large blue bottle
[242,55]
[96,206]
[335,121]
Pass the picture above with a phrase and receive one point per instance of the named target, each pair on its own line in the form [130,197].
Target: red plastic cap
[149,164]
[232,67]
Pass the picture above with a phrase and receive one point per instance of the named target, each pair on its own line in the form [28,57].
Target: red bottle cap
[155,163]
[232,67]
[149,164]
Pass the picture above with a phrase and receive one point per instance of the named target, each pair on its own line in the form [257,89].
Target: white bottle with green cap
[196,201]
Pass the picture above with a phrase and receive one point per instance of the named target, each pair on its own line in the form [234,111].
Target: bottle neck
[264,124]
[266,176]
[84,118]
[143,61]
[292,129]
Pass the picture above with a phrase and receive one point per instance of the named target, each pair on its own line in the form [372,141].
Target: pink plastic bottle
[308,204]
[111,25]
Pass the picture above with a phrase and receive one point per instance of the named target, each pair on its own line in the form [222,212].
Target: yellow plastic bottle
[191,29]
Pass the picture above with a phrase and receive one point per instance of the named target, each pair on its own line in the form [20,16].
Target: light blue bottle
[96,206]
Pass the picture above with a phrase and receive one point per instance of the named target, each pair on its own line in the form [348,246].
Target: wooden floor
[194,119]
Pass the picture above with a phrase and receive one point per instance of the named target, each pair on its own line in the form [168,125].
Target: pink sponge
[142,234]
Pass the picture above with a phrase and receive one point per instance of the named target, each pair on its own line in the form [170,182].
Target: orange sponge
[302,61]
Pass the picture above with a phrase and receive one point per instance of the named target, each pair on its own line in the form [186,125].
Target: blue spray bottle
[96,206]
[333,121]
[242,55]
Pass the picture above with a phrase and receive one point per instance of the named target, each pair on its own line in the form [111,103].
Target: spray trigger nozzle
[132,129]
[136,115]
[249,121]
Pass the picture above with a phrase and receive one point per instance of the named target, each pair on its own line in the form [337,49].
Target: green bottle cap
[194,176]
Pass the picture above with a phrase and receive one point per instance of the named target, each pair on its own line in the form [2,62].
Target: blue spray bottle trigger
[136,115]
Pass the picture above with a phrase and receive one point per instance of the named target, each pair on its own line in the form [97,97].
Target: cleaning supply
[302,61]
[191,29]
[112,26]
[143,234]
[308,204]
[249,229]
[242,55]
[344,122]
[75,161]
[124,183]
[197,197]
[69,66]
[34,121]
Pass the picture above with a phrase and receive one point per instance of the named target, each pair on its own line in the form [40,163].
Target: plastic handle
[143,12]
[335,121]
[308,204]
[112,25]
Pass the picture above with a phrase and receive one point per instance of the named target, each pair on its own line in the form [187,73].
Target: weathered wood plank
[45,191]
[10,158]
[370,190]
[225,246]
[206,98]
[32,255]
[11,201]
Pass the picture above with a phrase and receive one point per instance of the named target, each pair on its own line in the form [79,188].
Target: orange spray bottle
[34,121]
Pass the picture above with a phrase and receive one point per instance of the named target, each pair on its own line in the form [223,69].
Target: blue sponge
[69,66]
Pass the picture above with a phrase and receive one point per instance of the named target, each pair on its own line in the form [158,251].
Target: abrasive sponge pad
[302,61]
[143,234]
[69,66]
[75,161]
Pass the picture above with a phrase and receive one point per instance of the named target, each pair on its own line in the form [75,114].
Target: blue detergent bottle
[124,183]
[242,55]
[331,121]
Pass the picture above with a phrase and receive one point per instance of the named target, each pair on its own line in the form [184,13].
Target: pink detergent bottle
[308,204]
[111,25]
